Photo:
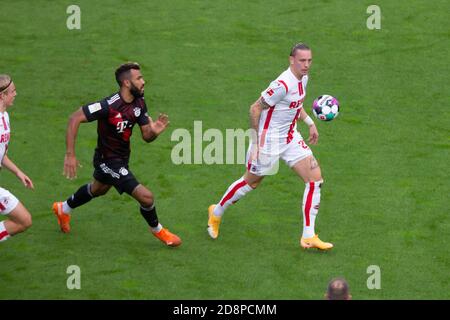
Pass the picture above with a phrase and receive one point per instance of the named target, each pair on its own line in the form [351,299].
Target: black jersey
[115,122]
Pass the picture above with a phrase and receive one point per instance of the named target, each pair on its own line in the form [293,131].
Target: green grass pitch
[385,159]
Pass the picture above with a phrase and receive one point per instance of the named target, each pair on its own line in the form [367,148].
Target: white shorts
[8,202]
[267,163]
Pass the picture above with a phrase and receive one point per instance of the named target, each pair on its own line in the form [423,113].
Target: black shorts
[115,173]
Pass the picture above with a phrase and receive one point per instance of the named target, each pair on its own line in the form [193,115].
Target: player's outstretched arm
[8,164]
[70,160]
[313,133]
[153,129]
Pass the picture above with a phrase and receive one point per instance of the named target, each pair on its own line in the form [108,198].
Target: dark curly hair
[123,71]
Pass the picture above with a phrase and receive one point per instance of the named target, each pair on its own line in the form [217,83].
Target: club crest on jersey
[123,171]
[137,112]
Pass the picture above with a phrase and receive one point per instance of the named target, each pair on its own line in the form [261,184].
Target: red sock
[4,235]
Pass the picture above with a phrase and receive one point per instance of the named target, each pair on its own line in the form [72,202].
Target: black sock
[80,197]
[150,216]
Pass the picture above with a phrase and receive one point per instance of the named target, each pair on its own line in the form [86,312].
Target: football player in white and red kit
[19,219]
[274,120]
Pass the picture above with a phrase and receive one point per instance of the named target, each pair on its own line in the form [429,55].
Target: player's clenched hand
[313,134]
[25,180]
[70,166]
[160,124]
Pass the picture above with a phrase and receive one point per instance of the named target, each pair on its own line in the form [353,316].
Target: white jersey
[8,202]
[278,123]
[5,131]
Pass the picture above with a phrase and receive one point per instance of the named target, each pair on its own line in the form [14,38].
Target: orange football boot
[63,218]
[315,242]
[213,222]
[167,237]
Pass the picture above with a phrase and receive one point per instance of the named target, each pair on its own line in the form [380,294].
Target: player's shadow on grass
[317,251]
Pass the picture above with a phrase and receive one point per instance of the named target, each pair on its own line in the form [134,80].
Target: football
[325,107]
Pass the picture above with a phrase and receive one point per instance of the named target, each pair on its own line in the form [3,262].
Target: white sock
[236,191]
[4,235]
[310,207]
[66,208]
[157,228]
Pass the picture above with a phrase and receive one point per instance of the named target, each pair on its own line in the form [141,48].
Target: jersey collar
[293,75]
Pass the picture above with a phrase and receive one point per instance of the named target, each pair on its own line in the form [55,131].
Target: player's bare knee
[252,180]
[101,192]
[254,184]
[317,178]
[26,222]
[98,191]
[21,218]
[313,163]
[147,199]
[23,223]
[147,202]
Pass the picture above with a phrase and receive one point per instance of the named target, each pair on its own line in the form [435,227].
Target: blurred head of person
[338,290]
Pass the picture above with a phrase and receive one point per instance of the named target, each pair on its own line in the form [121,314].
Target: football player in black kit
[116,116]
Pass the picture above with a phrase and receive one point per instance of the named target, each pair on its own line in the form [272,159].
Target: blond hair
[299,46]
[5,81]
